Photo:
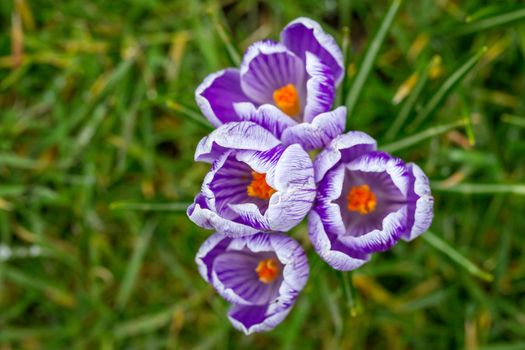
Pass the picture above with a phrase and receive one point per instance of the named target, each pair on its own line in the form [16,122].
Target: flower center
[259,187]
[267,270]
[287,99]
[361,199]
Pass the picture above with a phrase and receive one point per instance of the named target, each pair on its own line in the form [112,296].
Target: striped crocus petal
[217,94]
[253,184]
[305,35]
[260,275]
[287,87]
[366,202]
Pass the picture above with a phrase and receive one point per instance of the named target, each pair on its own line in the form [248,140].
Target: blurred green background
[98,126]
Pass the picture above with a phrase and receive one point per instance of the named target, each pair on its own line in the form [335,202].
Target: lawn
[98,129]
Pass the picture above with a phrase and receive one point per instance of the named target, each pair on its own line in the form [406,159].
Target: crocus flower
[260,275]
[366,201]
[287,87]
[255,183]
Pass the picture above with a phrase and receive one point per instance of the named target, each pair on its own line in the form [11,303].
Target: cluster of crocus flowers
[262,182]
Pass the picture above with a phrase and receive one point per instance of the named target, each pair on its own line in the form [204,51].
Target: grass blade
[447,87]
[144,324]
[10,334]
[513,120]
[331,302]
[455,256]
[58,294]
[85,136]
[488,189]
[192,115]
[176,207]
[370,56]
[410,103]
[504,346]
[352,300]
[490,22]
[235,58]
[141,245]
[15,161]
[423,135]
[295,323]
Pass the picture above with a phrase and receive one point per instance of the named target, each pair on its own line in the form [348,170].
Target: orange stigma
[259,187]
[361,199]
[287,99]
[267,270]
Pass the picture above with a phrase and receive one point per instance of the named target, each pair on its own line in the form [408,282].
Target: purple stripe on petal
[305,35]
[332,184]
[330,214]
[249,319]
[381,184]
[217,94]
[262,162]
[320,132]
[296,269]
[343,148]
[215,245]
[226,183]
[201,215]
[237,136]
[330,249]
[377,162]
[268,66]
[320,89]
[268,116]
[294,181]
[236,280]
[250,214]
[378,240]
[421,212]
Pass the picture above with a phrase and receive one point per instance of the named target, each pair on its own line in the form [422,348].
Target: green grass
[98,127]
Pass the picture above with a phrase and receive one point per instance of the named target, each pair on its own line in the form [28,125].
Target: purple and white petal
[228,202]
[292,256]
[331,187]
[305,35]
[253,319]
[263,162]
[235,278]
[343,148]
[392,228]
[330,249]
[366,201]
[250,214]
[293,179]
[266,115]
[290,172]
[421,204]
[320,132]
[215,244]
[389,179]
[268,66]
[320,88]
[381,162]
[202,216]
[239,136]
[216,95]
[225,190]
[230,265]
